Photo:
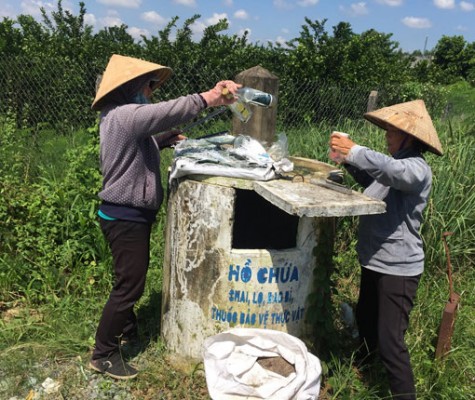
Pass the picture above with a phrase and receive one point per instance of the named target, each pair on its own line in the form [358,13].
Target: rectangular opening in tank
[259,224]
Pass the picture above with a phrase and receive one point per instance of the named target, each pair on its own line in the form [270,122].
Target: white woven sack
[232,371]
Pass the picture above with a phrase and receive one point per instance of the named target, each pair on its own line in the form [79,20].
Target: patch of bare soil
[279,365]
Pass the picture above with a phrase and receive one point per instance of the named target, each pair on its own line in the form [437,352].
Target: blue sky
[413,23]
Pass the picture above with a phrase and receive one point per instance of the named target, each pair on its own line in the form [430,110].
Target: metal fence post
[262,124]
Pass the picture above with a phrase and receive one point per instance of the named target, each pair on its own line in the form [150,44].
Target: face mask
[141,99]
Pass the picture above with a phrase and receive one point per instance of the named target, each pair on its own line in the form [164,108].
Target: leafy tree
[63,90]
[161,48]
[452,59]
[113,40]
[421,70]
[470,63]
[346,57]
[362,62]
[69,37]
[336,52]
[305,59]
[375,59]
[11,38]
[216,54]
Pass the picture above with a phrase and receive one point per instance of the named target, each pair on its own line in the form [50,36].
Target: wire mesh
[55,93]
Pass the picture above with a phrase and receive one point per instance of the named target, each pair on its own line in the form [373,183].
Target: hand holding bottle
[214,97]
[340,146]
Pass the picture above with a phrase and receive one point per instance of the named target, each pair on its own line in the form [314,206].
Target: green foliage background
[47,64]
[55,266]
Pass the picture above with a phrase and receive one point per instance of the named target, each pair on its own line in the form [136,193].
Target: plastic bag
[237,157]
[280,148]
[241,157]
[233,371]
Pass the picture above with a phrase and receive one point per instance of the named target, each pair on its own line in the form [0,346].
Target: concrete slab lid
[304,198]
[310,200]
[300,196]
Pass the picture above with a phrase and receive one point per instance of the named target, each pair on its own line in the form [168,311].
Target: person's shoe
[130,346]
[113,366]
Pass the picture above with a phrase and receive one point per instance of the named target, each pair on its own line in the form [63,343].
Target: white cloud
[241,14]
[359,8]
[188,3]
[6,10]
[307,3]
[112,19]
[391,3]
[228,3]
[197,28]
[418,23]
[355,9]
[241,32]
[216,18]
[466,6]
[278,40]
[462,28]
[285,30]
[154,18]
[121,3]
[137,33]
[90,19]
[32,7]
[446,4]
[282,5]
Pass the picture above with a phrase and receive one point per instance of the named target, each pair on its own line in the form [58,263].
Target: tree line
[340,56]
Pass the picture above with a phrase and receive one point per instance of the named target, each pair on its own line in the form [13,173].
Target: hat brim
[122,69]
[410,117]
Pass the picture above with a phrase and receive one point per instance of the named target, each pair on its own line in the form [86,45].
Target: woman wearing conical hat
[132,132]
[389,245]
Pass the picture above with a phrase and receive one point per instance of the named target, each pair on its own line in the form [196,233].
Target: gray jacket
[390,243]
[130,160]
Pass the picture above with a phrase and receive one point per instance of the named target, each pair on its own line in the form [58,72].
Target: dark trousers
[130,246]
[382,315]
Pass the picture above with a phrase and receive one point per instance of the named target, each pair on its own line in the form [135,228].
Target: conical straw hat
[122,69]
[410,117]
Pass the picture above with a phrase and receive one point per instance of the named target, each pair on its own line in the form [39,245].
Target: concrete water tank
[239,253]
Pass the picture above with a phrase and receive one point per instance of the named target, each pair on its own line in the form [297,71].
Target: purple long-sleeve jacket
[130,160]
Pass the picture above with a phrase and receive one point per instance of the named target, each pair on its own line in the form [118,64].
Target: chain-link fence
[54,93]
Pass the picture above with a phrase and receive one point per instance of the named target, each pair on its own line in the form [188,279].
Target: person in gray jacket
[132,132]
[390,248]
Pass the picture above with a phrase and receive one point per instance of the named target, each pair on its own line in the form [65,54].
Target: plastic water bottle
[241,110]
[348,318]
[256,97]
[246,96]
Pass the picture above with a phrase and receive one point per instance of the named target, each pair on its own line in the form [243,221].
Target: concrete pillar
[372,101]
[262,124]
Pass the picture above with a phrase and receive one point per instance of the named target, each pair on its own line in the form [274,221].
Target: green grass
[462,100]
[51,294]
